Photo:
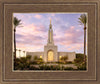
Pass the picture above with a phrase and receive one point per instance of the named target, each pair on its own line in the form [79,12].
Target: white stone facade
[51,53]
[71,55]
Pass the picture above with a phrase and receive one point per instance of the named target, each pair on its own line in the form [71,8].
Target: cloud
[69,37]
[30,39]
[72,27]
[68,34]
[34,35]
[53,14]
[31,29]
[38,16]
[30,43]
[28,47]
[76,46]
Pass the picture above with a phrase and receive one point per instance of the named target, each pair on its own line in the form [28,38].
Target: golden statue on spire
[50,24]
[50,20]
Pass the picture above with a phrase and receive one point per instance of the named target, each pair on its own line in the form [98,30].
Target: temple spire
[50,35]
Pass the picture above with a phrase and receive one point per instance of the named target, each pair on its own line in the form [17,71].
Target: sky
[32,35]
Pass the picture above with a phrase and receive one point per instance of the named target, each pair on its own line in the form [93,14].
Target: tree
[16,23]
[22,63]
[79,61]
[83,21]
[35,58]
[64,58]
[79,58]
[40,59]
[28,57]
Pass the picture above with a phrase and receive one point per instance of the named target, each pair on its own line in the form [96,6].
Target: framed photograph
[52,41]
[41,47]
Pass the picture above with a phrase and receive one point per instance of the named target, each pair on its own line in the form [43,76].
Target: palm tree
[83,21]
[16,23]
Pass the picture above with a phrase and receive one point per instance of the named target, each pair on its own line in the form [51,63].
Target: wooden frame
[8,7]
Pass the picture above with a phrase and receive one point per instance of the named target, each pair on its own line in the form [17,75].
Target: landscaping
[25,63]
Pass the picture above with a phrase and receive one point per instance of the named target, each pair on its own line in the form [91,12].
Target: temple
[51,53]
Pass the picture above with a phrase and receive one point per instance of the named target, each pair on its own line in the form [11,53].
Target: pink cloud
[27,47]
[75,47]
[31,30]
[69,37]
[53,14]
[38,16]
[72,27]
[21,46]
[33,35]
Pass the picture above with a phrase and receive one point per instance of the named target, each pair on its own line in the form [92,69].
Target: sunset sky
[67,32]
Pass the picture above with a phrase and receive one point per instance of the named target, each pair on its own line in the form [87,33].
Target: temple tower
[50,50]
[50,35]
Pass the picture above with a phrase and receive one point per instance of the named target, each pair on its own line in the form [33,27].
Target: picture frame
[8,7]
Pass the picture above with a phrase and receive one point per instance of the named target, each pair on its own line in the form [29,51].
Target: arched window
[50,55]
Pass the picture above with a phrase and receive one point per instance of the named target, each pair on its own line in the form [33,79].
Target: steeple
[50,24]
[50,35]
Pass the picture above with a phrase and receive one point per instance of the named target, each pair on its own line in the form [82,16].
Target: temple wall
[38,54]
[71,55]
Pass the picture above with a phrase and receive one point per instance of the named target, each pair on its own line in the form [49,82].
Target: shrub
[41,67]
[82,67]
[33,62]
[68,68]
[33,68]
[79,62]
[58,67]
[50,67]
[44,67]
[38,60]
[79,58]
[63,59]
[69,62]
